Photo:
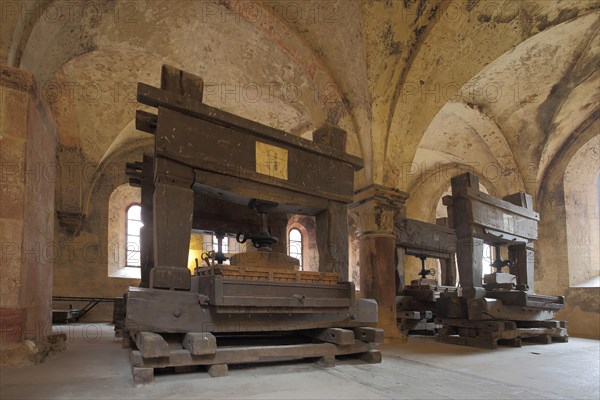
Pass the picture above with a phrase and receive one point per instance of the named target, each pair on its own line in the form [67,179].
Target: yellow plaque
[271,161]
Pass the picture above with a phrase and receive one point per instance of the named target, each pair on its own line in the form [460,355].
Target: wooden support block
[539,324]
[408,314]
[560,339]
[218,370]
[326,361]
[198,343]
[151,345]
[516,342]
[142,376]
[371,356]
[542,339]
[333,335]
[373,335]
[145,121]
[468,341]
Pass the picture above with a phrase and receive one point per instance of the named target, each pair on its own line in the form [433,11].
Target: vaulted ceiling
[497,86]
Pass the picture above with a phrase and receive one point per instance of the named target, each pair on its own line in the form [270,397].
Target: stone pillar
[28,141]
[374,211]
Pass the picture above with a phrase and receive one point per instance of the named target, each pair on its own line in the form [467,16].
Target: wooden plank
[154,97]
[241,191]
[539,324]
[465,323]
[468,341]
[366,334]
[490,216]
[541,339]
[199,343]
[299,301]
[144,304]
[248,354]
[475,194]
[333,335]
[145,121]
[206,146]
[151,345]
[419,235]
[181,82]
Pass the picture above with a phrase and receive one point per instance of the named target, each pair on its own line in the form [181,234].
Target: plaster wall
[82,268]
[553,264]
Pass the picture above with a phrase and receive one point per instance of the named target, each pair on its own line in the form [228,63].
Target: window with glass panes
[295,245]
[132,243]
[224,247]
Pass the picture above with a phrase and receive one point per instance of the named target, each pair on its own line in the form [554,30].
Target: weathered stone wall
[582,309]
[82,269]
[28,140]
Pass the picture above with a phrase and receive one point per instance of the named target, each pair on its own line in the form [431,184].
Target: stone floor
[95,367]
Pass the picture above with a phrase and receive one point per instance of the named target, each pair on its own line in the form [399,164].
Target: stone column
[28,141]
[374,211]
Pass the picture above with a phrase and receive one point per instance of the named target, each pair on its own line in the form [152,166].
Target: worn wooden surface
[252,273]
[199,343]
[330,135]
[172,229]
[488,334]
[332,239]
[248,354]
[470,261]
[181,82]
[151,345]
[184,312]
[367,334]
[333,335]
[203,145]
[155,97]
[300,296]
[524,264]
[420,235]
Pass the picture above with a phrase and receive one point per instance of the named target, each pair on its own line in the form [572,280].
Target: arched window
[225,244]
[132,244]
[295,245]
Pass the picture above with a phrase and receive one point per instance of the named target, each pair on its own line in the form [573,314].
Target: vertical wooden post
[522,255]
[332,239]
[173,199]
[469,247]
[173,209]
[470,261]
[146,235]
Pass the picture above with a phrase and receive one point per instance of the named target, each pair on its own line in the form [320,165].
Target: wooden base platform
[417,323]
[185,352]
[488,334]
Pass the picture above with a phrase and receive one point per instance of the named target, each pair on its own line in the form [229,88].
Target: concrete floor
[96,367]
